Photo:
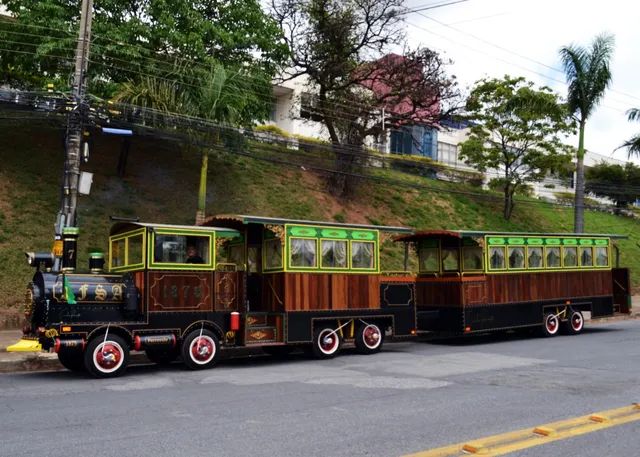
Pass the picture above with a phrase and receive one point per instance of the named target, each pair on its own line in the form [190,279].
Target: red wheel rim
[552,324]
[371,336]
[577,321]
[328,341]
[108,357]
[202,349]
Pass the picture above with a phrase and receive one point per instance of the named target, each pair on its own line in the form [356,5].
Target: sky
[491,38]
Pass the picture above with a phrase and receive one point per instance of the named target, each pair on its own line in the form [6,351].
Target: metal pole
[68,205]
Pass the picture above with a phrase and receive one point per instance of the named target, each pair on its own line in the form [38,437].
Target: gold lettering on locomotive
[101,293]
[117,291]
[83,291]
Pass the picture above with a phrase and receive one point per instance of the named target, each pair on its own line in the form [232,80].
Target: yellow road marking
[506,443]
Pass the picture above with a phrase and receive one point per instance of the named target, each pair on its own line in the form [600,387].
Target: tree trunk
[578,222]
[202,191]
[508,201]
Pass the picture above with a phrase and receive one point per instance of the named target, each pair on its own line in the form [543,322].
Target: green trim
[181,266]
[71,231]
[334,233]
[126,237]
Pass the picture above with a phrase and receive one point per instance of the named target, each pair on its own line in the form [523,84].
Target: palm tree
[633,143]
[588,76]
[227,97]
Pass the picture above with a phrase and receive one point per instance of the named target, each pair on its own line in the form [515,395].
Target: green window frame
[538,251]
[497,258]
[601,252]
[555,251]
[272,254]
[585,256]
[569,253]
[330,253]
[373,261]
[516,257]
[128,245]
[304,243]
[178,246]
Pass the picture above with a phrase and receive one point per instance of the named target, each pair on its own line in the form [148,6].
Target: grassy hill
[161,186]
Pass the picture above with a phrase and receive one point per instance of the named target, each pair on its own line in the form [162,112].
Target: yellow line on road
[506,443]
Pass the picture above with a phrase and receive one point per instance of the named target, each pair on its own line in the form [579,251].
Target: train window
[118,253]
[516,257]
[534,257]
[134,254]
[569,257]
[429,260]
[602,257]
[303,253]
[334,254]
[450,259]
[472,258]
[235,255]
[273,254]
[553,257]
[586,257]
[181,249]
[496,258]
[362,255]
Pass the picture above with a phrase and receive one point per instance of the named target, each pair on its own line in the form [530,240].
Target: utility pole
[65,228]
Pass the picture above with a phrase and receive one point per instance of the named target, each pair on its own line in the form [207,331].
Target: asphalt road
[410,397]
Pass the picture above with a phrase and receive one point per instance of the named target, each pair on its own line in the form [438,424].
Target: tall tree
[516,130]
[230,97]
[588,75]
[342,48]
[633,143]
[134,39]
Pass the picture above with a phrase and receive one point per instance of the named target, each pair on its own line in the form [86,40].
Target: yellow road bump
[506,443]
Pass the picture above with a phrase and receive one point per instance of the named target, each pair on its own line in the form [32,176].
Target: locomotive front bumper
[25,345]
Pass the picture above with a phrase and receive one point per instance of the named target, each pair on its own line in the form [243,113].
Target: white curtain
[303,253]
[362,255]
[334,254]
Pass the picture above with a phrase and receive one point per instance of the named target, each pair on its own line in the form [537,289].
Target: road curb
[47,362]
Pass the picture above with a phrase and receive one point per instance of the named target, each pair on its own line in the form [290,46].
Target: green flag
[69,296]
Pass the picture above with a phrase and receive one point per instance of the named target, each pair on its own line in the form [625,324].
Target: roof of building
[130,225]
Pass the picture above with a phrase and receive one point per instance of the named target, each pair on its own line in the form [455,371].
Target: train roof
[237,220]
[422,234]
[120,227]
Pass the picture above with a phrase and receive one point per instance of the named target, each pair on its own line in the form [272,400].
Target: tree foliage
[134,40]
[342,48]
[516,131]
[633,143]
[618,183]
[588,75]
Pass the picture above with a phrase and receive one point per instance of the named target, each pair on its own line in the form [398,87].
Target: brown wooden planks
[316,291]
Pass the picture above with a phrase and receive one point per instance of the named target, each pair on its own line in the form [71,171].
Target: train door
[621,290]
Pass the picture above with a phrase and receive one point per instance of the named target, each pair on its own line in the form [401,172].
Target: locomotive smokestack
[96,262]
[69,248]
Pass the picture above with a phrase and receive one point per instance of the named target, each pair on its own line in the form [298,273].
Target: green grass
[161,185]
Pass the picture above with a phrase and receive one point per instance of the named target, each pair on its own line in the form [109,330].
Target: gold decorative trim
[278,230]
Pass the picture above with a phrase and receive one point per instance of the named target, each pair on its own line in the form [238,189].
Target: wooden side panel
[139,281]
[438,292]
[180,291]
[316,291]
[273,292]
[474,293]
[511,288]
[228,290]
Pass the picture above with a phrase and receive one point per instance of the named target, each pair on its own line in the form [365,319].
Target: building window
[472,258]
[534,259]
[273,254]
[496,258]
[516,258]
[429,260]
[362,255]
[570,257]
[586,257]
[553,257]
[334,254]
[303,253]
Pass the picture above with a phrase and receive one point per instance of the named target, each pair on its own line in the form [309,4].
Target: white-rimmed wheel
[106,357]
[369,338]
[326,343]
[200,349]
[575,323]
[550,324]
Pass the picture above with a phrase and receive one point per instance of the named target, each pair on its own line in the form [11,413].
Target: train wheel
[72,362]
[106,358]
[162,356]
[574,324]
[550,324]
[369,339]
[200,349]
[326,343]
